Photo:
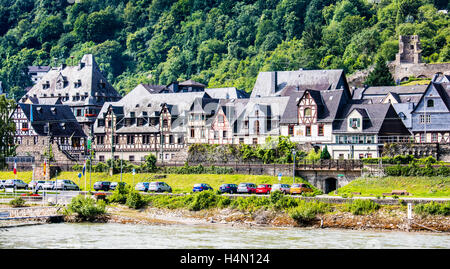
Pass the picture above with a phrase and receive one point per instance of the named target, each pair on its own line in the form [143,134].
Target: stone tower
[410,50]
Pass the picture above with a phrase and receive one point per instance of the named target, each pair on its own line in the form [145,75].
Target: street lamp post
[293,165]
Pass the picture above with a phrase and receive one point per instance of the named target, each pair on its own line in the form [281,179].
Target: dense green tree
[218,42]
[7,129]
[380,76]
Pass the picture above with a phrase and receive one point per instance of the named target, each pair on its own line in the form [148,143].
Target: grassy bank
[178,182]
[417,186]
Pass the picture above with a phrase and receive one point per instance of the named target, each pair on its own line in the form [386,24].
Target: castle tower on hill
[410,50]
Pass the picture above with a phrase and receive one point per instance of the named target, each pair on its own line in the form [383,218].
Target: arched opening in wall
[422,76]
[404,79]
[330,185]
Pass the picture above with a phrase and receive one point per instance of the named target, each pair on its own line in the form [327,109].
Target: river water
[133,236]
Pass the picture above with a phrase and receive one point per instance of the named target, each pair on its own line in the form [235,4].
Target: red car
[264,189]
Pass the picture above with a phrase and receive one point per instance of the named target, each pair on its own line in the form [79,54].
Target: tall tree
[380,76]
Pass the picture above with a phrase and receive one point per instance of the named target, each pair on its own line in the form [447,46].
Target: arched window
[307,112]
[430,103]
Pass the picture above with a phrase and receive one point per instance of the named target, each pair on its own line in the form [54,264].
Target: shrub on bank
[361,207]
[432,208]
[86,208]
[17,202]
[120,194]
[208,199]
[307,211]
[134,200]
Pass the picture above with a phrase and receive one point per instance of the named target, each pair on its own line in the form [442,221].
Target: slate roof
[46,101]
[87,72]
[270,83]
[327,103]
[62,121]
[443,92]
[400,90]
[38,68]
[191,83]
[226,93]
[154,88]
[140,101]
[373,117]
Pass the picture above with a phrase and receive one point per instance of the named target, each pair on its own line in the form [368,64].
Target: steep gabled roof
[93,83]
[373,115]
[60,117]
[443,93]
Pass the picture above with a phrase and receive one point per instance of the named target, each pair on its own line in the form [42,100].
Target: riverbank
[392,218]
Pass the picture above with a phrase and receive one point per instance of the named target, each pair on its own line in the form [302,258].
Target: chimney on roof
[273,81]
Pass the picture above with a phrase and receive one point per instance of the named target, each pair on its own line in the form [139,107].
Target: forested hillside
[216,42]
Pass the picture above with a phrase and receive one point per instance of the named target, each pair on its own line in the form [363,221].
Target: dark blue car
[228,188]
[201,187]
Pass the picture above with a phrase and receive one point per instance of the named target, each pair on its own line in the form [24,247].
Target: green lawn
[417,186]
[178,182]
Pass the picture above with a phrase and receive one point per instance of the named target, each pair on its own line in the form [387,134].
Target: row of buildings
[73,108]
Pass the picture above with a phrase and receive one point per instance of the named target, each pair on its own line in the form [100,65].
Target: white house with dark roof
[360,130]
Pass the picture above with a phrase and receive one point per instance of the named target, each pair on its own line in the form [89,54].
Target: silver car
[284,188]
[159,187]
[15,183]
[65,184]
[48,185]
[36,184]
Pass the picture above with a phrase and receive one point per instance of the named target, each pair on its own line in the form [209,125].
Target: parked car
[246,188]
[102,185]
[299,188]
[48,185]
[159,187]
[228,188]
[2,182]
[142,186]
[36,184]
[65,184]
[15,183]
[201,187]
[263,189]
[284,188]
[114,185]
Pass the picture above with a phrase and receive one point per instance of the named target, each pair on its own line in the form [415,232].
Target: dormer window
[46,85]
[354,123]
[77,84]
[430,103]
